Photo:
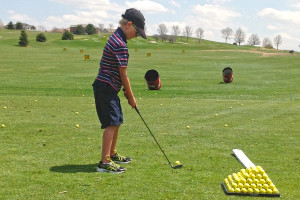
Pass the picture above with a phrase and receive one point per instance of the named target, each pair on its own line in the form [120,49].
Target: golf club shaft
[153,136]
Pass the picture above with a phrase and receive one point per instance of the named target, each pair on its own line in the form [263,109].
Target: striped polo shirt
[115,55]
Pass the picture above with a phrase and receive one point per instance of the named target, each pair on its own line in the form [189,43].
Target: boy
[112,75]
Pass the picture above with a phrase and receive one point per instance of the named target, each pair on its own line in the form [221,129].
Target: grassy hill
[45,91]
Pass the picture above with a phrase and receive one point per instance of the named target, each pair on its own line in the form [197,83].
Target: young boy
[112,75]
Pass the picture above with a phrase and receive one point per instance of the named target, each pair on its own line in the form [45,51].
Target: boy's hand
[132,102]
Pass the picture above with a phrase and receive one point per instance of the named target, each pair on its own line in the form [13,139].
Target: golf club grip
[137,110]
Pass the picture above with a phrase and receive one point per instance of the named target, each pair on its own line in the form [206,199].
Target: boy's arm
[126,85]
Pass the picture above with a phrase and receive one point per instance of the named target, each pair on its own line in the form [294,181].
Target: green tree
[10,25]
[79,30]
[41,37]
[19,26]
[23,39]
[90,29]
[67,36]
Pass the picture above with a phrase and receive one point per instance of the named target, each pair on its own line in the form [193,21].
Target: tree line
[239,36]
[187,32]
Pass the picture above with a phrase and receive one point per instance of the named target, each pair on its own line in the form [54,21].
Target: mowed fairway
[45,92]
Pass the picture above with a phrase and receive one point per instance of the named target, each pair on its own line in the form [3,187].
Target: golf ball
[77,126]
[177,162]
[3,126]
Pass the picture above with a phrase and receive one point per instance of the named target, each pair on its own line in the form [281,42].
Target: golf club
[174,167]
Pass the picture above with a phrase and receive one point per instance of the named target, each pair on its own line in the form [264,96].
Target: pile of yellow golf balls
[250,180]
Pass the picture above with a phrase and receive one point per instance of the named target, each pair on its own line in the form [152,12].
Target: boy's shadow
[89,168]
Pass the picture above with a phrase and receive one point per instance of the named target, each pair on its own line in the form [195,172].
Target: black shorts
[107,104]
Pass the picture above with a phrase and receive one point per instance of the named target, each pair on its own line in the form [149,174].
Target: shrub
[23,39]
[269,46]
[19,26]
[67,36]
[90,29]
[41,37]
[79,30]
[10,25]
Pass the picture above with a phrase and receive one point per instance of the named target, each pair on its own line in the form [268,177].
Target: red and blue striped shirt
[115,55]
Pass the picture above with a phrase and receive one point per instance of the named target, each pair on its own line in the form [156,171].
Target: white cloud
[174,3]
[218,1]
[283,16]
[147,6]
[81,17]
[272,27]
[212,18]
[296,5]
[103,5]
[17,17]
[87,11]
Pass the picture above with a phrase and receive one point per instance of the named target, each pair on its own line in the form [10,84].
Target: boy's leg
[114,142]
[116,157]
[107,141]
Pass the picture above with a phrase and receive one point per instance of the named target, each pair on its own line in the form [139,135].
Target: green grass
[43,154]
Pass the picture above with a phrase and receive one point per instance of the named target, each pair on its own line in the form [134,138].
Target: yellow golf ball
[244,190]
[232,190]
[246,185]
[255,190]
[249,181]
[258,176]
[262,191]
[242,180]
[259,186]
[275,191]
[262,181]
[240,185]
[269,181]
[265,186]
[269,191]
[238,190]
[177,162]
[272,186]
[234,185]
[265,176]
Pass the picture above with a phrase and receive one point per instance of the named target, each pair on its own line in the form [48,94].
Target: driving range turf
[46,91]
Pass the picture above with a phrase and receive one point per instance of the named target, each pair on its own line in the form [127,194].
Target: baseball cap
[137,18]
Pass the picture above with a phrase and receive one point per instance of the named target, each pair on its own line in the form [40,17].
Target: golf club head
[177,166]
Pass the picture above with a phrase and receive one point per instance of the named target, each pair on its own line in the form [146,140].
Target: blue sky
[266,18]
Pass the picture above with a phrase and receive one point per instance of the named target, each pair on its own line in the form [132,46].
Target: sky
[266,18]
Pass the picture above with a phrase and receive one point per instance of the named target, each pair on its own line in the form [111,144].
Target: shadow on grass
[89,168]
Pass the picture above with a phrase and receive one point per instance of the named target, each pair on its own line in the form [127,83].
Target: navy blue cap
[137,18]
